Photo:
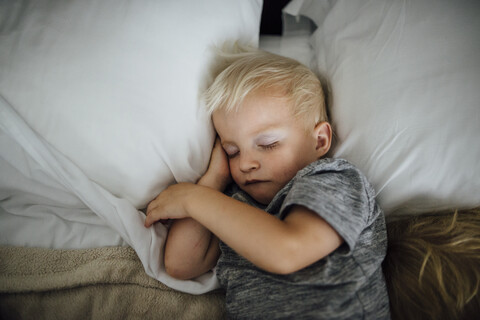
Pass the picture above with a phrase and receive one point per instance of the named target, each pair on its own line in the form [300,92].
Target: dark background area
[271,22]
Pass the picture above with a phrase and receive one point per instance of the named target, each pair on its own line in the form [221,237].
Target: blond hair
[246,70]
[432,267]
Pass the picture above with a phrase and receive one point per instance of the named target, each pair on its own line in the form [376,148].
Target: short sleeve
[339,197]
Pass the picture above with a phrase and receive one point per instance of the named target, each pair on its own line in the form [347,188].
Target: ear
[323,135]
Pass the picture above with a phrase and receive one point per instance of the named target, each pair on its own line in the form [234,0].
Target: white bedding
[405,107]
[99,112]
[49,199]
[57,205]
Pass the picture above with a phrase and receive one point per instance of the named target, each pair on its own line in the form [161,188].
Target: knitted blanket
[101,283]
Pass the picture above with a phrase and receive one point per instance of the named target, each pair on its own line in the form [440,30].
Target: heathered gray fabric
[347,284]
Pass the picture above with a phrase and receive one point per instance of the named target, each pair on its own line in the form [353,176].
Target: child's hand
[169,204]
[218,173]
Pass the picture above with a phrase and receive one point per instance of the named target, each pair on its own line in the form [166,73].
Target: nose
[248,163]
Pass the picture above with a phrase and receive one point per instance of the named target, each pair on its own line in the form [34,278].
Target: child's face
[266,144]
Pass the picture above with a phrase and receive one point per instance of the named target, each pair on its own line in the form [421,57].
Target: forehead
[258,111]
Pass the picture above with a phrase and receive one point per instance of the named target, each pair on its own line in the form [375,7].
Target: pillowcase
[405,79]
[114,85]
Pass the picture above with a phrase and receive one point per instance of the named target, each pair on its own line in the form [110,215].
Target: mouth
[254,181]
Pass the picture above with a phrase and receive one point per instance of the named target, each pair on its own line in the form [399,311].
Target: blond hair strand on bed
[432,267]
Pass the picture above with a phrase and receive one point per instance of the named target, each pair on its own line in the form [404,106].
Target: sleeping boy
[299,235]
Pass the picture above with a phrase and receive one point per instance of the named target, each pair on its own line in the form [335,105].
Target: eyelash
[270,146]
[264,147]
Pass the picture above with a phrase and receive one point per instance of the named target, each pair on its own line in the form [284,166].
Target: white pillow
[405,77]
[114,84]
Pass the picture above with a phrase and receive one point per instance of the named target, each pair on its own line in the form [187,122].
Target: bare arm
[191,249]
[278,246]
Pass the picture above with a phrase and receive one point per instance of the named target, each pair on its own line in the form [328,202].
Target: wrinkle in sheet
[117,213]
[397,29]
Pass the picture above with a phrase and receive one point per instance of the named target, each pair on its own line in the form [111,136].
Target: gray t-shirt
[347,284]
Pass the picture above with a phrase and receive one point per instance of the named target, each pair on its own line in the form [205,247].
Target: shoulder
[332,181]
[330,165]
[338,176]
[339,193]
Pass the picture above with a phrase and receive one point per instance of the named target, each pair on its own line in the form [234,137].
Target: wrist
[190,198]
[195,199]
[213,181]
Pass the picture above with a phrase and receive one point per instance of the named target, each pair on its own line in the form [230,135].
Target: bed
[100,111]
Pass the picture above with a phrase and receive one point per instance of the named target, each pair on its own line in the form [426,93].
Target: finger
[147,222]
[151,206]
[218,143]
[151,218]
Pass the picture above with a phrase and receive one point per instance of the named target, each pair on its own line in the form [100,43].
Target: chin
[261,197]
[259,193]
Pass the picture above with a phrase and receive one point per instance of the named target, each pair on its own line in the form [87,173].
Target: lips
[254,181]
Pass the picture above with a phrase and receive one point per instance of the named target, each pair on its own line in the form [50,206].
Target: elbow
[286,258]
[186,268]
[177,273]
[178,266]
[282,263]
[178,270]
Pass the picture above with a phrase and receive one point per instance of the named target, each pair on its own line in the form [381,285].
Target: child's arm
[278,246]
[191,249]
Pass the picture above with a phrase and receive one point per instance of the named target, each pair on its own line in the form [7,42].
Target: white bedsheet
[47,201]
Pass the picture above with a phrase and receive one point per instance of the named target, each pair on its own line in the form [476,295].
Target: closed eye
[269,146]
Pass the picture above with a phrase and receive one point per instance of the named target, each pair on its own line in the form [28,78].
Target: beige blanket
[103,283]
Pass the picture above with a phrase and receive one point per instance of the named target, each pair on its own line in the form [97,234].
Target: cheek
[285,170]
[281,169]
[286,173]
